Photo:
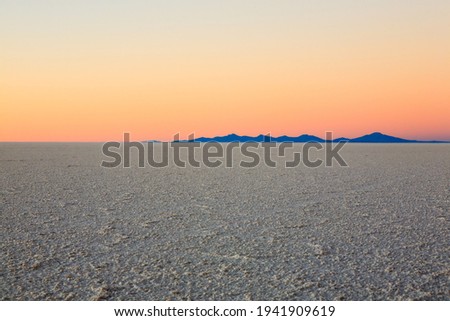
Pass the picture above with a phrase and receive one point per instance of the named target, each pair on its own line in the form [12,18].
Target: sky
[92,70]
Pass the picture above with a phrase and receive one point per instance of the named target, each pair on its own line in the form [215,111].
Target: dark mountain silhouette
[233,138]
[300,139]
[380,138]
[375,137]
[341,139]
[259,139]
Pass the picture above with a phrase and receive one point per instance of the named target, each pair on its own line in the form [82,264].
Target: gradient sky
[92,70]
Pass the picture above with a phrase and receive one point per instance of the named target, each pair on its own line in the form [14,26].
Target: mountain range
[375,137]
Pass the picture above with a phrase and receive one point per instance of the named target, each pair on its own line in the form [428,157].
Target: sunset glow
[79,71]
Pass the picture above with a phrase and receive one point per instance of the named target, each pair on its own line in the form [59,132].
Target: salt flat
[375,230]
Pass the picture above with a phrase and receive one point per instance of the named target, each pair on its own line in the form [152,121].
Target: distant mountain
[258,139]
[380,138]
[375,137]
[233,138]
[341,139]
[299,139]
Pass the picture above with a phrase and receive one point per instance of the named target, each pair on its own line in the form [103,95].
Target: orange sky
[84,72]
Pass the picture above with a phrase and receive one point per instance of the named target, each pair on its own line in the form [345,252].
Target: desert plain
[375,230]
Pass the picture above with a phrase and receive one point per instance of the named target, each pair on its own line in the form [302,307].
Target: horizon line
[411,140]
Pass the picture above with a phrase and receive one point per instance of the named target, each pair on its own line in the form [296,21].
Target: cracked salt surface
[377,230]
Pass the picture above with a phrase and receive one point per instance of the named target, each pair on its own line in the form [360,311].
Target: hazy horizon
[187,137]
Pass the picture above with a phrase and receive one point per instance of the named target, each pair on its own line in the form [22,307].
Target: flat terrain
[375,230]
